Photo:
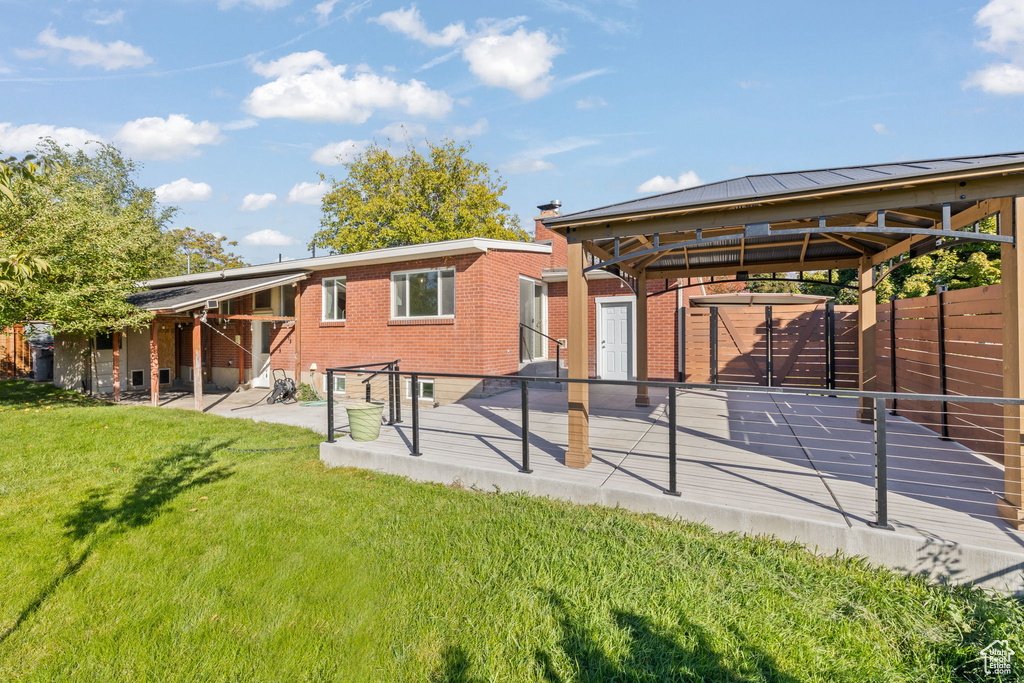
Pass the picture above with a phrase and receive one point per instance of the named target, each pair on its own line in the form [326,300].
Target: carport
[869,218]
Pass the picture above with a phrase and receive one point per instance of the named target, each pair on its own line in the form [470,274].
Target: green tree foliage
[100,233]
[197,251]
[17,268]
[760,283]
[390,201]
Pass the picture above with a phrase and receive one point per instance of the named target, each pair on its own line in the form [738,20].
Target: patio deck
[796,467]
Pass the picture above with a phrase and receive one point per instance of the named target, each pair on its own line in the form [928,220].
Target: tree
[391,201]
[99,231]
[196,251]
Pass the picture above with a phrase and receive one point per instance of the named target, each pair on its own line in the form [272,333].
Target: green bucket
[364,420]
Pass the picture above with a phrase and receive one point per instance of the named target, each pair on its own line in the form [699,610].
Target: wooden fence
[15,354]
[948,343]
[788,345]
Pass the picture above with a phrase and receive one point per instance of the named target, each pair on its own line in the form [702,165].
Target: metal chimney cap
[553,205]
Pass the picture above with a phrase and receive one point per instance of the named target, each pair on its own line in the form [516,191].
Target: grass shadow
[651,653]
[164,479]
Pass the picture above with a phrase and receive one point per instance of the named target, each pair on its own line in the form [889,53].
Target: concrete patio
[796,467]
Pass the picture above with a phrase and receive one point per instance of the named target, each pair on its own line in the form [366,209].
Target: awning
[193,296]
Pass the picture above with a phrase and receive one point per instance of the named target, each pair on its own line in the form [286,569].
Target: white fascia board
[562,274]
[241,291]
[411,252]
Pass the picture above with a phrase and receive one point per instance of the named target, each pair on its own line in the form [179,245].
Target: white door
[261,354]
[615,340]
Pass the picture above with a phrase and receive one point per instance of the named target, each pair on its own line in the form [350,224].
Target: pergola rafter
[856,217]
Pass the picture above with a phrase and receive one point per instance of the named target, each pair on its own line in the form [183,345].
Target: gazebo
[871,218]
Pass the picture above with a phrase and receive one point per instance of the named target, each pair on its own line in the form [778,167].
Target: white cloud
[534,160]
[668,184]
[256,202]
[323,10]
[175,137]
[1004,20]
[308,193]
[240,124]
[998,79]
[269,238]
[25,138]
[255,4]
[591,102]
[408,22]
[479,128]
[82,51]
[403,130]
[520,61]
[101,18]
[308,88]
[339,152]
[183,190]
[880,128]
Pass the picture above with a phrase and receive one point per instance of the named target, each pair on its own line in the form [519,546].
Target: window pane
[339,383]
[262,299]
[330,302]
[339,299]
[288,305]
[427,389]
[448,292]
[264,337]
[398,292]
[423,295]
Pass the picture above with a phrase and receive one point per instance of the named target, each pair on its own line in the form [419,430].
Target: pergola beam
[774,267]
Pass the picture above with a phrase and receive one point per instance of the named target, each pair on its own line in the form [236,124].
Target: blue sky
[234,107]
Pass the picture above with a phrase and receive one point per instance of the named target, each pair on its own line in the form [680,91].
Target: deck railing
[873,412]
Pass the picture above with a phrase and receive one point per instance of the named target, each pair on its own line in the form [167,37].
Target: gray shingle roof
[176,298]
[756,187]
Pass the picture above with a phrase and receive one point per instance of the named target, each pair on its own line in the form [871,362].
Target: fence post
[892,348]
[673,488]
[330,406]
[881,469]
[525,390]
[415,382]
[942,361]
[768,351]
[714,344]
[830,344]
[391,395]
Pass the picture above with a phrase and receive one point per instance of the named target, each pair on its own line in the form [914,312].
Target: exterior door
[531,314]
[615,340]
[261,354]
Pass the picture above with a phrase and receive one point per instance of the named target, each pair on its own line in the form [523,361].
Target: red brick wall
[558,245]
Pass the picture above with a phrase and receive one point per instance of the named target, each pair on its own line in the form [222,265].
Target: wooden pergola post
[197,360]
[642,397]
[579,454]
[866,327]
[1011,213]
[154,364]
[117,366]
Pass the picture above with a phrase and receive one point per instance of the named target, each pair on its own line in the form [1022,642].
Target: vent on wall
[165,376]
[138,378]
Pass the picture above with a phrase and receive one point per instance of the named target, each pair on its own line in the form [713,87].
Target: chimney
[544,236]
[550,207]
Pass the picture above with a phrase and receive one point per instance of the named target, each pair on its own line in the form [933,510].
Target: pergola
[871,218]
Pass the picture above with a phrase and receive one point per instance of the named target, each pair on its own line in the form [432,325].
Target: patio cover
[188,297]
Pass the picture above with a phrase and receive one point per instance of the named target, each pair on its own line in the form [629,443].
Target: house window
[423,293]
[264,299]
[226,307]
[138,378]
[288,300]
[104,341]
[426,387]
[165,376]
[264,332]
[334,298]
[339,384]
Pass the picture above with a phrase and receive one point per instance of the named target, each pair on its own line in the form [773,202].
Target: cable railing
[525,353]
[806,431]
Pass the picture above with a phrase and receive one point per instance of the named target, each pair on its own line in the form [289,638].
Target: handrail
[384,366]
[557,341]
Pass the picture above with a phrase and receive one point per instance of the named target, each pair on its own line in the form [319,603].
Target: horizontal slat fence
[951,346]
[798,340]
[15,353]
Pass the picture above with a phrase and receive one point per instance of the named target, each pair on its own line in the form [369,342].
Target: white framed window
[263,300]
[164,376]
[425,386]
[339,384]
[138,378]
[423,293]
[334,298]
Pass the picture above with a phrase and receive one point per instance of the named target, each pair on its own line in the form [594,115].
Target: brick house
[453,306]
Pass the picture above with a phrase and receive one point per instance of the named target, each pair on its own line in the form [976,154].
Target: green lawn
[149,544]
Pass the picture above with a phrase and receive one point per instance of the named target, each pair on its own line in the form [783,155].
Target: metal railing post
[942,360]
[330,406]
[768,350]
[881,469]
[367,392]
[525,390]
[391,396]
[558,360]
[673,488]
[714,344]
[830,344]
[398,394]
[415,381]
[892,349]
